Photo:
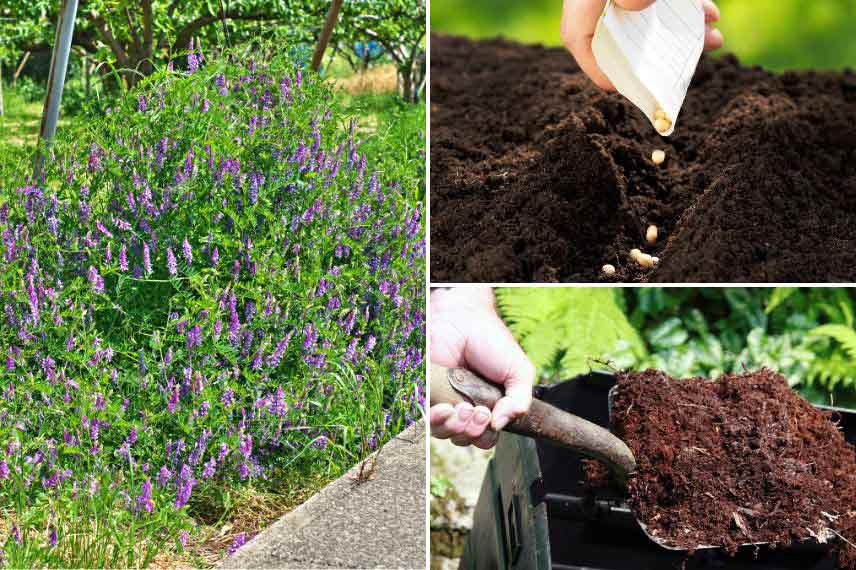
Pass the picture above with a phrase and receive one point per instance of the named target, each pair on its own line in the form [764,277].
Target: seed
[651,234]
[656,260]
[645,260]
[662,125]
[658,156]
[608,270]
[634,254]
[660,114]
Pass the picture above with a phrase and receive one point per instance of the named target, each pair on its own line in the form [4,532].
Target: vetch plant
[213,287]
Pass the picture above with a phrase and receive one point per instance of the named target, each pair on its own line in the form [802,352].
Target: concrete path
[354,522]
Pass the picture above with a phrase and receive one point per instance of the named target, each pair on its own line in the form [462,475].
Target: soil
[742,459]
[538,175]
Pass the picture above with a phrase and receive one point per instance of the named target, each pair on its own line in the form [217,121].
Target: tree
[399,27]
[132,34]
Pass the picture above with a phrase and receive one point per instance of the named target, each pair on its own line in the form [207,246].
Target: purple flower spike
[171,263]
[147,259]
[188,252]
[96,280]
[144,500]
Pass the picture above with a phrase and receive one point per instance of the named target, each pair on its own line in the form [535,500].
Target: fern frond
[837,370]
[779,296]
[573,323]
[842,334]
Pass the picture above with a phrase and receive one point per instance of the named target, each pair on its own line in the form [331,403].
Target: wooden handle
[544,421]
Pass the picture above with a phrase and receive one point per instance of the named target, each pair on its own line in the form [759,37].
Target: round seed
[662,125]
[651,234]
[645,260]
[658,157]
[660,114]
[656,260]
[634,254]
[608,270]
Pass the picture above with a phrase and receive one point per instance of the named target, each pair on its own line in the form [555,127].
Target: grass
[19,126]
[223,514]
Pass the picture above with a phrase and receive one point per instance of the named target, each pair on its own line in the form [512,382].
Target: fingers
[711,12]
[518,392]
[713,38]
[463,424]
[579,20]
[635,5]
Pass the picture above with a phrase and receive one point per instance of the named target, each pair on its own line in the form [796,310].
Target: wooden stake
[20,68]
[326,32]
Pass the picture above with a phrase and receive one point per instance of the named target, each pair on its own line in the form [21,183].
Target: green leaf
[779,296]
[669,334]
[845,335]
[567,326]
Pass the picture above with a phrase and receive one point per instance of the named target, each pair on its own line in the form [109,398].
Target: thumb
[493,352]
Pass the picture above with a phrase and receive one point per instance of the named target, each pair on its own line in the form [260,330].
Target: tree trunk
[87,76]
[407,83]
[326,32]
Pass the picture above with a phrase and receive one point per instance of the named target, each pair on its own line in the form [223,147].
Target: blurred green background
[777,34]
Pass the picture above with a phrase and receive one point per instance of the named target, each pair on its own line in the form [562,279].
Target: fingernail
[482,416]
[465,412]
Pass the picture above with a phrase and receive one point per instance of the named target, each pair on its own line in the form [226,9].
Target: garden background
[333,162]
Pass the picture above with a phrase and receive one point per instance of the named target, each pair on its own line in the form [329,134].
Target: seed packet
[651,55]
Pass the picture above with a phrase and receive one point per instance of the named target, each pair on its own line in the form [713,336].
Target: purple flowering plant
[215,287]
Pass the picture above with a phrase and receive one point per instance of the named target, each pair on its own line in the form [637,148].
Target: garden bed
[742,459]
[537,175]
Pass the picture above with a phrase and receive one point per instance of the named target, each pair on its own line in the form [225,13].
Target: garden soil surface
[742,459]
[538,175]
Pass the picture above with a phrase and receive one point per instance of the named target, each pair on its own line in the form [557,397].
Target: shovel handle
[544,421]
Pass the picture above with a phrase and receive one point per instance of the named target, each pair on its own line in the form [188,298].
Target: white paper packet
[651,55]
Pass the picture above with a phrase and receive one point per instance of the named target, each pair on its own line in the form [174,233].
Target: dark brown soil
[742,459]
[537,175]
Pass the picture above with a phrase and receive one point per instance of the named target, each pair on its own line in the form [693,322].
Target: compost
[739,460]
[538,175]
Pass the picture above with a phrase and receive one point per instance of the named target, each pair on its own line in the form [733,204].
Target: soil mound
[742,459]
[538,175]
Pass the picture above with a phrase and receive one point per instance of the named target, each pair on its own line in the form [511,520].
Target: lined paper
[651,55]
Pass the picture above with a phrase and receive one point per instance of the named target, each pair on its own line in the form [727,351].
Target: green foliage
[398,144]
[836,364]
[210,285]
[439,485]
[565,331]
[130,38]
[806,334]
[30,91]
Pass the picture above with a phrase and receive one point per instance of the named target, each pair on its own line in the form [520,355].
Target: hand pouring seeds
[651,55]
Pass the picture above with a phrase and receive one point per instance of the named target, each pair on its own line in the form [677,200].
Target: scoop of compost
[538,175]
[742,459]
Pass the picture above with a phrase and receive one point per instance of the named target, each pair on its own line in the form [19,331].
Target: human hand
[579,20]
[466,332]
